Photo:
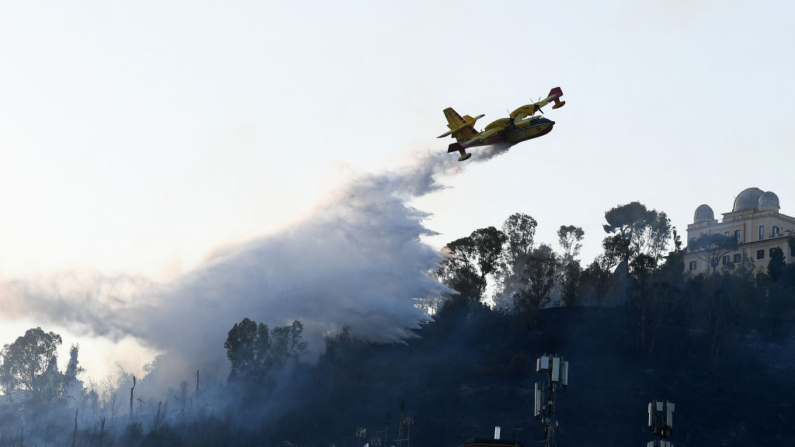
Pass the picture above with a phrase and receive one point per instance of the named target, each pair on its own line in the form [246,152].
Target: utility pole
[131,396]
[661,422]
[101,430]
[557,380]
[386,430]
[74,435]
[399,440]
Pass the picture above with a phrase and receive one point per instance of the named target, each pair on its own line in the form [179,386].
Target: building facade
[757,224]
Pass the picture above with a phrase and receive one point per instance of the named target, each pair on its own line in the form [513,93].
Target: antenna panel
[555,369]
[669,415]
[542,364]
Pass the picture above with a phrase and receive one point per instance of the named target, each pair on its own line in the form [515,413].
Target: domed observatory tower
[768,201]
[704,215]
[748,199]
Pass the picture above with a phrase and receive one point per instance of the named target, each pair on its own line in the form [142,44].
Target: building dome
[748,199]
[769,199]
[704,214]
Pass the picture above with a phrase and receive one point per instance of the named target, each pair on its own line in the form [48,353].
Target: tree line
[641,267]
[493,276]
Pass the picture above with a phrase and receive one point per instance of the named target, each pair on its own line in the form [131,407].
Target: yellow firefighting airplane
[523,124]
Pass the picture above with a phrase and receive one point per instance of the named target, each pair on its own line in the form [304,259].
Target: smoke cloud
[357,260]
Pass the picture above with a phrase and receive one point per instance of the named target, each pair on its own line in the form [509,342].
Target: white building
[754,220]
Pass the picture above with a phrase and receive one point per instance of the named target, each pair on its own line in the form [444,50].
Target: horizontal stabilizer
[455,147]
[461,145]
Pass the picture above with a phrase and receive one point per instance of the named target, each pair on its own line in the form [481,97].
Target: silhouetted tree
[255,351]
[617,250]
[642,293]
[519,230]
[72,387]
[287,344]
[711,247]
[570,240]
[776,265]
[570,286]
[73,368]
[596,281]
[487,247]
[470,260]
[538,280]
[247,346]
[457,272]
[30,366]
[643,231]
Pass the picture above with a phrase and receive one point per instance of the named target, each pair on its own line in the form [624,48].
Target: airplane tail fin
[555,95]
[460,128]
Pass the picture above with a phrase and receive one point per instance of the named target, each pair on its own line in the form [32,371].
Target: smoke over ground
[357,260]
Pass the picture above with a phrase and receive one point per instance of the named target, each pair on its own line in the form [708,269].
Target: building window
[738,258]
[693,265]
[775,231]
[737,234]
[760,254]
[761,232]
[692,239]
[725,259]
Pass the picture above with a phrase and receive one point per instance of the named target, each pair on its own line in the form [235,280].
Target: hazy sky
[137,137]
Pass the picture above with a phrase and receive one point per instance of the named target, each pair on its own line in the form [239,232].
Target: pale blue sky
[135,137]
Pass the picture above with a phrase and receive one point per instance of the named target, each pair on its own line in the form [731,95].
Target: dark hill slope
[464,375]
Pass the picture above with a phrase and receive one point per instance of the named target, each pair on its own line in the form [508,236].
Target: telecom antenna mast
[661,422]
[557,380]
[361,433]
[404,427]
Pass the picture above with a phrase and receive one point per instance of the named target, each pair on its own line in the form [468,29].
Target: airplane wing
[457,123]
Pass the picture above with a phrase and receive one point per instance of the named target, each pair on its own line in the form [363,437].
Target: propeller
[510,119]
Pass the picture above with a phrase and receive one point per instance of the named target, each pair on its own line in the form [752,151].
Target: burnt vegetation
[632,325]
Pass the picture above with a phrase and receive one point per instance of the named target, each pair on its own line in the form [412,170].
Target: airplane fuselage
[520,132]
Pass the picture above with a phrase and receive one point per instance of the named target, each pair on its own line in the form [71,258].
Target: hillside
[460,379]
